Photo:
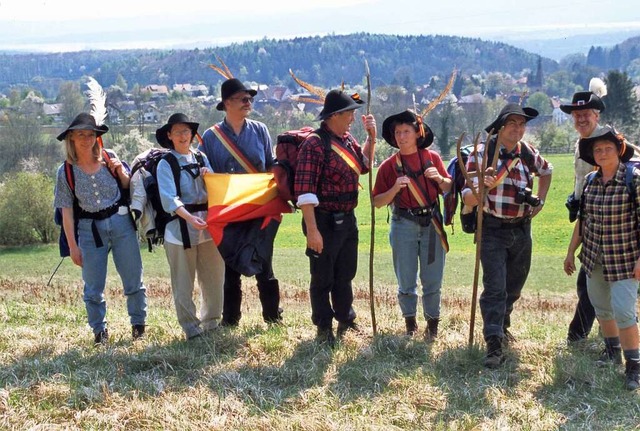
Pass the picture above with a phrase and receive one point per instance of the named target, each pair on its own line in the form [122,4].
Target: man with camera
[508,207]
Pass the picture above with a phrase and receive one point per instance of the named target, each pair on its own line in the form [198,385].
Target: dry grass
[278,378]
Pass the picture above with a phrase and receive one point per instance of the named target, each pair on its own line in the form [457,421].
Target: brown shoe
[411,325]
[431,331]
[494,357]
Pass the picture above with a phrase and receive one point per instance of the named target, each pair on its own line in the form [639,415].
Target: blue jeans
[506,259]
[117,234]
[412,244]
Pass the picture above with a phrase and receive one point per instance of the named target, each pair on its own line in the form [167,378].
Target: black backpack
[146,166]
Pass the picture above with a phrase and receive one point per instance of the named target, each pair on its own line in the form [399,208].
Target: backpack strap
[175,170]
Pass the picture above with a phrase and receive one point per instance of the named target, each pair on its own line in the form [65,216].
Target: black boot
[632,375]
[324,335]
[494,357]
[411,324]
[431,332]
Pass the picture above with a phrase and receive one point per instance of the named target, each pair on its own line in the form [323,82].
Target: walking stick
[372,144]
[479,194]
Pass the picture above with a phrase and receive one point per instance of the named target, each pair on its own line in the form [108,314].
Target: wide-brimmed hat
[406,117]
[585,145]
[177,118]
[338,101]
[84,121]
[511,109]
[231,87]
[583,100]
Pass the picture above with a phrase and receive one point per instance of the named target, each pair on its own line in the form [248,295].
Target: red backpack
[287,149]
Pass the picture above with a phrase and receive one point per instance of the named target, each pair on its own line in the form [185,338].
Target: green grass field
[262,378]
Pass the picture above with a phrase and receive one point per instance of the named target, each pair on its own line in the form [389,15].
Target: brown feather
[310,88]
[308,100]
[226,69]
[442,95]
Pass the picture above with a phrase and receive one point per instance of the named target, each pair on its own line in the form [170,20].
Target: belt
[318,210]
[505,223]
[415,212]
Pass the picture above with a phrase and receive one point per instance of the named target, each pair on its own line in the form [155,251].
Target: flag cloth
[243,218]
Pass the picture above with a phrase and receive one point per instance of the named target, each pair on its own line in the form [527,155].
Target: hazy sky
[63,25]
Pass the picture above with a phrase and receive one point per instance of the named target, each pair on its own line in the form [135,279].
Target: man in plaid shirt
[326,186]
[508,209]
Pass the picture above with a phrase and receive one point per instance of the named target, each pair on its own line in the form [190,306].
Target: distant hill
[325,61]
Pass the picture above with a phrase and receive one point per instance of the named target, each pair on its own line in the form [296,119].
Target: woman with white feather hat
[90,191]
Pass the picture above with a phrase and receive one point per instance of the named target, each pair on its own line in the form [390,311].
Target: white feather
[98,101]
[598,87]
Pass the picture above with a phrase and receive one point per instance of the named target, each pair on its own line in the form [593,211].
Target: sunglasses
[243,99]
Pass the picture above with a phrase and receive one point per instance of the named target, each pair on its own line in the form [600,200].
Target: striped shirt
[610,232]
[500,200]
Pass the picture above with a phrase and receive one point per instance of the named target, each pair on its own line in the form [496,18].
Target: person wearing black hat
[92,193]
[508,208]
[199,255]
[585,109]
[411,181]
[330,163]
[610,255]
[239,145]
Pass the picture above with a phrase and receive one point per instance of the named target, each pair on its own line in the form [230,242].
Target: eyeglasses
[604,150]
[515,123]
[181,132]
[243,99]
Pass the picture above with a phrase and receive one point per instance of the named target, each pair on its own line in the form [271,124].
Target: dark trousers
[333,270]
[585,314]
[506,259]
[268,289]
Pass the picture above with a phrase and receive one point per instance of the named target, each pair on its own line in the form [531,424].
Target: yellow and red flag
[243,218]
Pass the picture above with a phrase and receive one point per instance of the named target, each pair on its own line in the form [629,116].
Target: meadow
[258,377]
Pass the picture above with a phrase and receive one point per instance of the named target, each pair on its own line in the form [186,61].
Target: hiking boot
[137,331]
[101,338]
[343,327]
[631,375]
[431,331]
[494,357]
[277,320]
[508,338]
[324,335]
[575,340]
[411,325]
[610,357]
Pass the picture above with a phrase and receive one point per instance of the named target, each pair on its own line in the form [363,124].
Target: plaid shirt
[334,178]
[610,232]
[500,200]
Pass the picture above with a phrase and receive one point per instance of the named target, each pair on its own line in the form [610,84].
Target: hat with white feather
[591,99]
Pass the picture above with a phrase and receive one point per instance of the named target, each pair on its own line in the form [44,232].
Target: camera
[573,205]
[524,196]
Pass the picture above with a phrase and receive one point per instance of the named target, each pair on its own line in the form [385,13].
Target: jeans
[506,259]
[585,314]
[268,290]
[118,235]
[333,270]
[412,244]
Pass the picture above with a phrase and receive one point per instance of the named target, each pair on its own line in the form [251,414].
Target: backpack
[145,195]
[63,245]
[287,149]
[451,198]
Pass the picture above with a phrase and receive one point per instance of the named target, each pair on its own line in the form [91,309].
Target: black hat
[84,121]
[511,109]
[231,87]
[177,118]
[338,101]
[585,145]
[583,100]
[406,117]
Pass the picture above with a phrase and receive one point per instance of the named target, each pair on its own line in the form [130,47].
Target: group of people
[330,162]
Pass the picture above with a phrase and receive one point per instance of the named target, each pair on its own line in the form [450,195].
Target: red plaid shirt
[500,200]
[610,232]
[330,179]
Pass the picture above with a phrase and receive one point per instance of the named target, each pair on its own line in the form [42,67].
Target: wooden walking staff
[479,194]
[372,143]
